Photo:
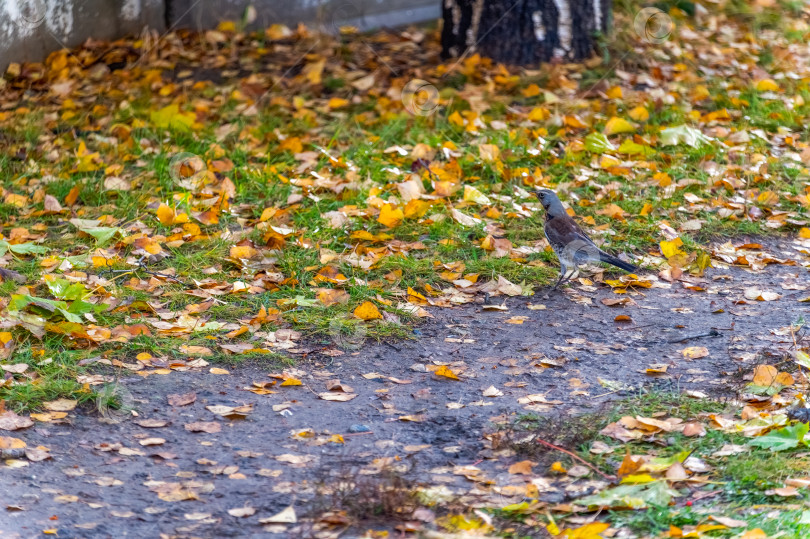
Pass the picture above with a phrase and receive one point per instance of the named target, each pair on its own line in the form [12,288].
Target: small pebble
[359,428]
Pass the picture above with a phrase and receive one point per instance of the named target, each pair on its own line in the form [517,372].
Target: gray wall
[31,29]
[328,15]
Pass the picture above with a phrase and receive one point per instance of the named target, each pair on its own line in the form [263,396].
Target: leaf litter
[116,234]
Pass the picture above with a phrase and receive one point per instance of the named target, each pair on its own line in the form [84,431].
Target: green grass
[131,145]
[740,482]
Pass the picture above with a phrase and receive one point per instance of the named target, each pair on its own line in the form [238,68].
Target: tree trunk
[524,32]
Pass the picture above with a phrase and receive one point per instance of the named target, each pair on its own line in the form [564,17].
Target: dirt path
[149,475]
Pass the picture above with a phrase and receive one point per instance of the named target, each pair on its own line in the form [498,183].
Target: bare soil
[406,426]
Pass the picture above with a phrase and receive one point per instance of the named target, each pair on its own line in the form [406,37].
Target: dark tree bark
[524,32]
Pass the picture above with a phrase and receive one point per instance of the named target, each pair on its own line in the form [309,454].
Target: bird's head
[551,202]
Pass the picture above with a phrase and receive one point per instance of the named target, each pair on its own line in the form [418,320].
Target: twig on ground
[578,459]
[710,333]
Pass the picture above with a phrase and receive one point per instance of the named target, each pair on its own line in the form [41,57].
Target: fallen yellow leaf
[367,311]
[617,125]
[390,216]
[445,371]
[767,85]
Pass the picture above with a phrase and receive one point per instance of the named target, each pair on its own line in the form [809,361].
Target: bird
[571,245]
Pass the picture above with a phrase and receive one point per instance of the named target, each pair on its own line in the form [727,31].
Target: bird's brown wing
[564,230]
[574,247]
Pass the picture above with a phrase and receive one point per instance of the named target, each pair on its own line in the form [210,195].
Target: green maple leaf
[782,439]
[598,143]
[631,496]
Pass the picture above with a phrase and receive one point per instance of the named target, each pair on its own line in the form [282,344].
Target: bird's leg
[563,272]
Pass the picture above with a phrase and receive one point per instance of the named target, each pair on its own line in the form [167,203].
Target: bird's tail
[613,261]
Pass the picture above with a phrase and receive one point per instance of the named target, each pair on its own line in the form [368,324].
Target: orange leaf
[445,371]
[73,195]
[522,467]
[168,216]
[367,311]
[243,252]
[765,375]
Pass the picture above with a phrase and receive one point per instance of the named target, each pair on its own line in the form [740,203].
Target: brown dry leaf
[620,432]
[765,375]
[331,296]
[600,448]
[47,417]
[183,399]
[286,516]
[152,441]
[677,472]
[729,522]
[756,294]
[151,423]
[211,427]
[37,454]
[799,482]
[613,302]
[695,352]
[335,385]
[11,421]
[242,511]
[243,252]
[523,467]
[231,412]
[508,288]
[7,442]
[785,379]
[295,460]
[694,428]
[340,397]
[60,405]
[630,465]
[17,368]
[784,492]
[174,492]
